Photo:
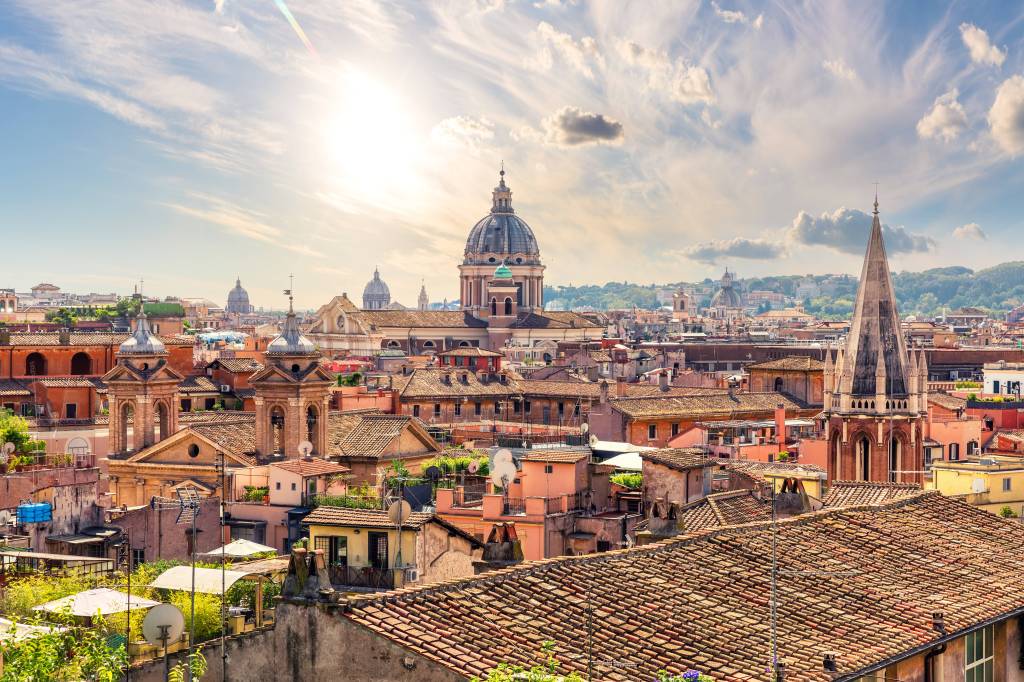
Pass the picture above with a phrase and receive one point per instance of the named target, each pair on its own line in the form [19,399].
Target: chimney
[5,336]
[780,424]
[663,380]
[604,392]
[64,336]
[620,387]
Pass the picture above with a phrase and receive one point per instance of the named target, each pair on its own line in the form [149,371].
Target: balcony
[47,462]
[361,578]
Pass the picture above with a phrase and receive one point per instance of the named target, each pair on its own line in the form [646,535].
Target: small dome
[502,272]
[291,341]
[143,341]
[727,296]
[502,232]
[238,299]
[376,294]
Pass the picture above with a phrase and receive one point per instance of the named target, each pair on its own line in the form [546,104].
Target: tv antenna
[187,503]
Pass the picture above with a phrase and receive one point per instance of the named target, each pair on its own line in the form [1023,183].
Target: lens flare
[295,25]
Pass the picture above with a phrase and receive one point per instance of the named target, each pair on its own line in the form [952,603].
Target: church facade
[875,389]
[501,284]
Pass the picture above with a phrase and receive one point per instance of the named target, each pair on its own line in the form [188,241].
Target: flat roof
[55,557]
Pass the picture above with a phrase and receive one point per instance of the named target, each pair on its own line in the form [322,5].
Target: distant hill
[997,290]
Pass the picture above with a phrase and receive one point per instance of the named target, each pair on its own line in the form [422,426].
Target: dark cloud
[846,230]
[571,126]
[738,247]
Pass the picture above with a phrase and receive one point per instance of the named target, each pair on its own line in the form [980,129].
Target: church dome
[727,296]
[502,234]
[238,299]
[143,341]
[376,295]
[291,341]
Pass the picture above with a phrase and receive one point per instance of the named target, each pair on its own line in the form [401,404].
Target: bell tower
[293,394]
[876,392]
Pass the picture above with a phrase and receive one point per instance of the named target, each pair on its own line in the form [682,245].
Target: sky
[189,143]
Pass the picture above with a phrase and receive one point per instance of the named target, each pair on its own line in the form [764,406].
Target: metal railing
[468,496]
[362,577]
[513,506]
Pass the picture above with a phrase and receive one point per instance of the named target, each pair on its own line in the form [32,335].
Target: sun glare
[371,142]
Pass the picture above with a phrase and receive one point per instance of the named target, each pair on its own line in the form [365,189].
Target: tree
[13,429]
[71,653]
[65,317]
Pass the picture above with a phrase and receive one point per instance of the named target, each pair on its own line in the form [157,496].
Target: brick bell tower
[876,392]
[293,394]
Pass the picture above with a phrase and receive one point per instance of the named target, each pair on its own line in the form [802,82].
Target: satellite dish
[433,473]
[10,447]
[584,427]
[594,440]
[5,518]
[503,472]
[305,448]
[399,512]
[474,466]
[164,623]
[503,455]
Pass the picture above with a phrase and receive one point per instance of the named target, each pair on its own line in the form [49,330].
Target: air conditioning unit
[224,388]
[412,575]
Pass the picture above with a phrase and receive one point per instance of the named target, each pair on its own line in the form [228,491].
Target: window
[526,406]
[458,409]
[335,549]
[603,545]
[437,409]
[548,468]
[138,556]
[378,550]
[277,486]
[576,410]
[995,387]
[561,409]
[478,409]
[675,429]
[497,408]
[416,410]
[652,431]
[954,452]
[71,411]
[294,487]
[979,655]
[1007,485]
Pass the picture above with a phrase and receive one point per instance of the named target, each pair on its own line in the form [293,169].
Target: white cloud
[682,82]
[464,131]
[1006,117]
[571,127]
[737,247]
[839,69]
[582,55]
[981,49]
[759,22]
[970,231]
[729,16]
[846,230]
[945,120]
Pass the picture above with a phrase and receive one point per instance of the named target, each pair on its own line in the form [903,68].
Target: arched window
[508,306]
[864,459]
[837,458]
[463,344]
[394,344]
[81,364]
[127,437]
[161,423]
[277,430]
[429,344]
[895,452]
[778,384]
[494,306]
[35,365]
[312,417]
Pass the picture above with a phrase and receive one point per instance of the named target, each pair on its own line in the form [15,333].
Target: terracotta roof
[361,518]
[84,339]
[950,402]
[368,435]
[791,363]
[697,406]
[238,365]
[419,318]
[215,417]
[430,383]
[557,455]
[470,352]
[854,493]
[702,600]
[760,471]
[600,356]
[68,382]
[198,384]
[680,459]
[724,509]
[552,320]
[311,467]
[238,436]
[12,387]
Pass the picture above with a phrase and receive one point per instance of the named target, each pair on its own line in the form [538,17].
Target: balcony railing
[468,497]
[364,577]
[513,506]
[347,501]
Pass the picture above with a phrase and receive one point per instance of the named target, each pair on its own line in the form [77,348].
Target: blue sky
[188,143]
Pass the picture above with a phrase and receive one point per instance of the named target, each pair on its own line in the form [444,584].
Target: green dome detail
[503,272]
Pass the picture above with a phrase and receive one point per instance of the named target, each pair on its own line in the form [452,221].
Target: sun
[372,143]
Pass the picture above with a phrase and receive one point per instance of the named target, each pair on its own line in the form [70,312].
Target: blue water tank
[34,512]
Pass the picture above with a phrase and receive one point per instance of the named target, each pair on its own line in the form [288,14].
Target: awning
[18,632]
[74,539]
[627,461]
[240,548]
[208,580]
[103,600]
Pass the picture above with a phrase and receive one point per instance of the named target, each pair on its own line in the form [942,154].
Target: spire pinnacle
[288,293]
[876,200]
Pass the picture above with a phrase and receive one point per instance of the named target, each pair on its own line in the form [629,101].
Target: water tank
[34,512]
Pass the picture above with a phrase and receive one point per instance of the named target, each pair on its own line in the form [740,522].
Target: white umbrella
[103,600]
[240,548]
[17,632]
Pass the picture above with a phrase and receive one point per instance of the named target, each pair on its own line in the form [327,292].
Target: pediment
[177,450]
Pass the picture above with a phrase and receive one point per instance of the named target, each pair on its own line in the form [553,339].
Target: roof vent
[828,662]
[939,622]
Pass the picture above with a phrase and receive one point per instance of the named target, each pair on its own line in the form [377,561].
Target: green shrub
[626,480]
[255,493]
